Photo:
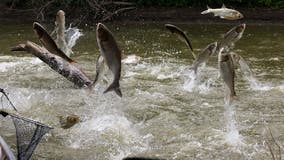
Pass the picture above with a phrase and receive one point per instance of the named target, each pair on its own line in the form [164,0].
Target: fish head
[103,32]
[73,119]
[237,15]
[235,57]
[240,28]
[225,58]
[60,16]
[212,47]
[38,29]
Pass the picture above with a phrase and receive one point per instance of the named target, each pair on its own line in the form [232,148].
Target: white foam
[190,82]
[4,66]
[104,122]
[131,59]
[232,136]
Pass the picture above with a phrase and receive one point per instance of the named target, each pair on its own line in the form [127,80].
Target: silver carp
[204,56]
[68,121]
[112,55]
[176,30]
[49,43]
[227,71]
[231,37]
[244,67]
[224,13]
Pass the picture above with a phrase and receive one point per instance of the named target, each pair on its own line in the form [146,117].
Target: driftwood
[69,70]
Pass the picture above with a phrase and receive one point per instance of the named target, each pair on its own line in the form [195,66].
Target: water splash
[191,82]
[232,136]
[72,34]
[202,82]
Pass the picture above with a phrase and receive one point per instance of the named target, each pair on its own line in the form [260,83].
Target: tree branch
[68,70]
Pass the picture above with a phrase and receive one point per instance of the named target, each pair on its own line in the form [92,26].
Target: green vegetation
[215,3]
[162,3]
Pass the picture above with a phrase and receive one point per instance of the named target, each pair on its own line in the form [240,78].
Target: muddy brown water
[164,112]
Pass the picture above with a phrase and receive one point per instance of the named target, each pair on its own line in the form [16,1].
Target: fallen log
[66,69]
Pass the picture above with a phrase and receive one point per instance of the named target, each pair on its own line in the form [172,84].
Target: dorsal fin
[208,7]
[223,6]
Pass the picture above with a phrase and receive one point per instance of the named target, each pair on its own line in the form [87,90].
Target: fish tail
[114,87]
[194,55]
[194,68]
[205,12]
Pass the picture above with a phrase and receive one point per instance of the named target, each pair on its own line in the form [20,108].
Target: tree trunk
[69,70]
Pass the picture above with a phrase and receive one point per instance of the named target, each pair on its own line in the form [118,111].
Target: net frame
[28,134]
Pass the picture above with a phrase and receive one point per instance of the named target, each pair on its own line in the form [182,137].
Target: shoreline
[169,15]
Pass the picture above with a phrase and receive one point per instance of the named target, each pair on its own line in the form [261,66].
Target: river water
[165,112]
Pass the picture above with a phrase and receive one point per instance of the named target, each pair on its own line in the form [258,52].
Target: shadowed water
[166,111]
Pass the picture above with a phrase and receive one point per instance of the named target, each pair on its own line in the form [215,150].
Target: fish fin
[223,6]
[114,87]
[194,55]
[180,33]
[99,64]
[194,68]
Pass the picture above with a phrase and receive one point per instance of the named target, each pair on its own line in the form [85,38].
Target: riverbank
[160,14]
[192,15]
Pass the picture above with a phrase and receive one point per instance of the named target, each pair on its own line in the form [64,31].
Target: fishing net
[29,133]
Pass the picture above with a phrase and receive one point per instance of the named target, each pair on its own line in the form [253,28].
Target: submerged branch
[69,70]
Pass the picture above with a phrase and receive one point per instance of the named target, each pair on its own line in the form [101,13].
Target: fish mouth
[100,26]
[102,32]
[241,28]
[37,29]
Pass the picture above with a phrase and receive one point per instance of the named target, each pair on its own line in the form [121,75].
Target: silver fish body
[182,36]
[231,37]
[112,55]
[48,42]
[204,56]
[227,72]
[244,67]
[224,13]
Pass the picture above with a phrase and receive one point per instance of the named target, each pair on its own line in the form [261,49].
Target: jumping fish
[203,56]
[48,42]
[227,72]
[244,67]
[112,55]
[224,13]
[175,30]
[68,121]
[231,37]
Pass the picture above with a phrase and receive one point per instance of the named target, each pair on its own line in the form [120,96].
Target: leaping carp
[111,54]
[224,13]
[48,42]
